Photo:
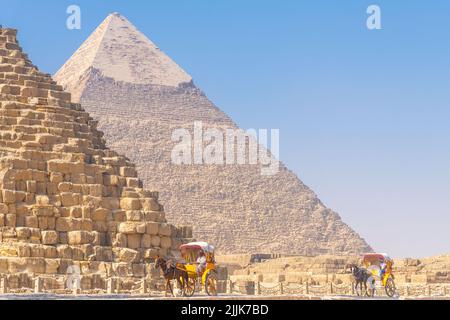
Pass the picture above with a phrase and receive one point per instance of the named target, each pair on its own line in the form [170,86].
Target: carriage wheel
[211,283]
[370,292]
[189,288]
[390,287]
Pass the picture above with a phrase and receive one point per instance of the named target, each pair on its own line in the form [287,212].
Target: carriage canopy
[190,251]
[197,246]
[377,258]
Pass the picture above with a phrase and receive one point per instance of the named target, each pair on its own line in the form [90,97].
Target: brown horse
[361,277]
[171,272]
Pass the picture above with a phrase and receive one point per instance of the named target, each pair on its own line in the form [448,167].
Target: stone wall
[322,270]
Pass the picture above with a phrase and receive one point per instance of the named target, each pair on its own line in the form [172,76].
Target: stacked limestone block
[65,198]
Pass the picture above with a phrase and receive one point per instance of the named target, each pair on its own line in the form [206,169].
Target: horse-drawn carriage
[198,268]
[206,274]
[380,266]
[375,266]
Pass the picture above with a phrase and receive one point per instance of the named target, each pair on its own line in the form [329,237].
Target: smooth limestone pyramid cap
[66,199]
[119,51]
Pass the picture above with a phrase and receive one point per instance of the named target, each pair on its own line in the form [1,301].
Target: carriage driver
[201,262]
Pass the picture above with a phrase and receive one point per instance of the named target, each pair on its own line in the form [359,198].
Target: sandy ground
[199,297]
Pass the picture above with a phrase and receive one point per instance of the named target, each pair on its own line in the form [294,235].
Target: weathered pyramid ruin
[140,96]
[65,199]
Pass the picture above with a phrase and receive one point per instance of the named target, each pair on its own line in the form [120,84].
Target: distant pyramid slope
[65,199]
[233,206]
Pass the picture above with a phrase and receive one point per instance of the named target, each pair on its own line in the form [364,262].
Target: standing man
[201,262]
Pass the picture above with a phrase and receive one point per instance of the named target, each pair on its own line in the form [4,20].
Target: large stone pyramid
[140,96]
[65,199]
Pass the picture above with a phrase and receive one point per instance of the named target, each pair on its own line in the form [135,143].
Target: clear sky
[363,115]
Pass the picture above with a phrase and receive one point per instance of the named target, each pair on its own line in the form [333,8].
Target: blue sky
[363,115]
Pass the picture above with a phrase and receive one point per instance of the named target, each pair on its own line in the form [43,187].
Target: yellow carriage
[200,266]
[380,266]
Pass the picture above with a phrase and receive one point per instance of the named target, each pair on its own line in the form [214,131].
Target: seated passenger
[201,262]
